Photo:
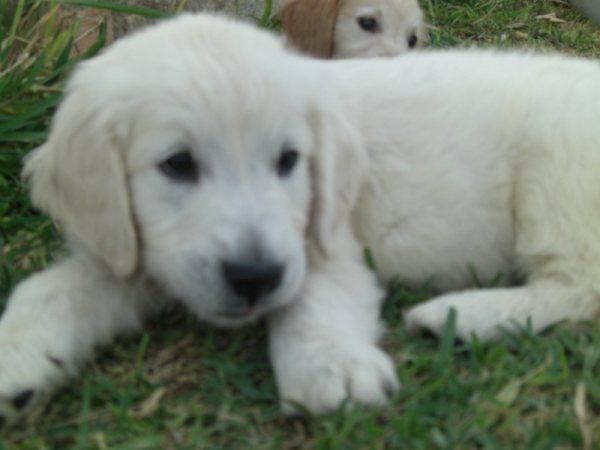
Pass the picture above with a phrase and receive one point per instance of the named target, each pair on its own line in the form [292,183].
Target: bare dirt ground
[120,24]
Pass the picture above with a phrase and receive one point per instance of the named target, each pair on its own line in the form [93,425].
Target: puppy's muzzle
[252,281]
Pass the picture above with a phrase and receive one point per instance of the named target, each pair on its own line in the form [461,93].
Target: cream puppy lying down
[223,172]
[353,28]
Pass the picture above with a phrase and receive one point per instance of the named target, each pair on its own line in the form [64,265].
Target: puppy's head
[186,152]
[372,28]
[354,28]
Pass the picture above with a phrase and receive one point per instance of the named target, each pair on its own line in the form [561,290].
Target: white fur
[53,322]
[439,162]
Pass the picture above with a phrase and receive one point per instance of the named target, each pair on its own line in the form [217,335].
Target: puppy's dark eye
[412,40]
[368,23]
[180,167]
[287,162]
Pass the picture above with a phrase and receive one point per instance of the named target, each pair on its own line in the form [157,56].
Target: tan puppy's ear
[309,25]
[338,168]
[78,177]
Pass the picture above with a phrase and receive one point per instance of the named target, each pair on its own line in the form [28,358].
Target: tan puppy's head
[353,28]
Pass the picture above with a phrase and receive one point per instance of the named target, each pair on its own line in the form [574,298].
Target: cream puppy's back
[479,136]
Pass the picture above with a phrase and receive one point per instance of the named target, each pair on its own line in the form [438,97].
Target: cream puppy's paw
[321,379]
[19,405]
[433,316]
[27,377]
[487,313]
[483,313]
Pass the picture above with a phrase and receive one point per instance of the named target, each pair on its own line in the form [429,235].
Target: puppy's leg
[51,325]
[486,312]
[324,346]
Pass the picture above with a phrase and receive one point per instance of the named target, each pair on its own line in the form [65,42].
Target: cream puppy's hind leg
[51,325]
[324,346]
[555,212]
[486,313]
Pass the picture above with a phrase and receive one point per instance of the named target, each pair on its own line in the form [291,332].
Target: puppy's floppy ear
[309,25]
[338,168]
[78,177]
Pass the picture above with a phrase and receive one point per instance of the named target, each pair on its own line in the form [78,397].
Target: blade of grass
[35,111]
[120,8]
[15,23]
[446,347]
[267,13]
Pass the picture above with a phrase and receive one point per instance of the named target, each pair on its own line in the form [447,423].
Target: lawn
[182,385]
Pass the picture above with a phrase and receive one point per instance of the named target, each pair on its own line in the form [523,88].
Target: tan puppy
[353,28]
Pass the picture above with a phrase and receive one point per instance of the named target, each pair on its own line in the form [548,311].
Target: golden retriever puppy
[353,28]
[200,162]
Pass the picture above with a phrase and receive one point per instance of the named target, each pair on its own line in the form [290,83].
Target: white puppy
[199,161]
[353,28]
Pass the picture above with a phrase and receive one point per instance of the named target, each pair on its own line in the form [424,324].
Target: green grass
[183,386]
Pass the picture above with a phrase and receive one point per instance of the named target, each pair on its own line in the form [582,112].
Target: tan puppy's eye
[180,167]
[287,162]
[368,24]
[412,40]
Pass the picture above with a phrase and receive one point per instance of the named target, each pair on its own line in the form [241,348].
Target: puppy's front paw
[26,380]
[474,316]
[17,405]
[430,316]
[321,379]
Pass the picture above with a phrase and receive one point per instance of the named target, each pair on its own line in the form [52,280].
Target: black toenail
[426,333]
[458,341]
[388,389]
[19,401]
[59,363]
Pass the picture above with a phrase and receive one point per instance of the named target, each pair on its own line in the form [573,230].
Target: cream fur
[438,162]
[398,20]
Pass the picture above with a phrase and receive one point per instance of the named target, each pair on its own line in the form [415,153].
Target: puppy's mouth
[237,315]
[237,318]
[243,316]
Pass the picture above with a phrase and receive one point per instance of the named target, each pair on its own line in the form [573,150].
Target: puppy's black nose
[252,280]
